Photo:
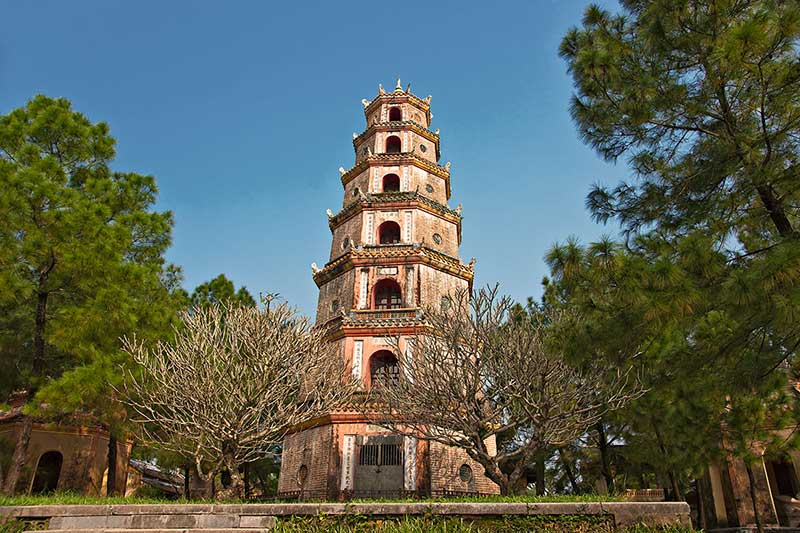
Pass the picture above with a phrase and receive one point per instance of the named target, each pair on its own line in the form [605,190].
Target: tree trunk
[111,479]
[677,493]
[246,468]
[605,463]
[753,500]
[187,476]
[19,457]
[701,505]
[236,489]
[568,471]
[540,476]
[38,334]
[673,481]
[775,210]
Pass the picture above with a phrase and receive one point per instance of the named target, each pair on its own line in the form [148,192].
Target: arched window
[391,183]
[383,369]
[389,233]
[48,470]
[393,145]
[395,113]
[387,295]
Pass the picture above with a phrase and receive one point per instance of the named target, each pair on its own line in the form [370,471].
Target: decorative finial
[314,268]
[436,132]
[380,89]
[355,136]
[342,171]
[408,88]
[447,166]
[330,213]
[369,150]
[458,209]
[472,263]
[365,102]
[428,99]
[399,87]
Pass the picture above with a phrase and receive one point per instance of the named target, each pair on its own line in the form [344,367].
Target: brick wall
[445,469]
[426,225]
[313,448]
[434,284]
[341,289]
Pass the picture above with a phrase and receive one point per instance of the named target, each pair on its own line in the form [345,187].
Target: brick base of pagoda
[332,458]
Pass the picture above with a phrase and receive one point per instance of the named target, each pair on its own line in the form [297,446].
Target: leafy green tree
[221,290]
[703,99]
[81,262]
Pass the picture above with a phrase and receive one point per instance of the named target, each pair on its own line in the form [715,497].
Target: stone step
[141,522]
[106,530]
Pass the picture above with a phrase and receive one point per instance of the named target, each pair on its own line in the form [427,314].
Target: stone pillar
[348,463]
[410,463]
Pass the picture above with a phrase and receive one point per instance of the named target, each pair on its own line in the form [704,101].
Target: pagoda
[394,252]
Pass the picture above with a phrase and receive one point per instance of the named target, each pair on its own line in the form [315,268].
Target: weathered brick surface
[360,182]
[434,284]
[84,452]
[446,463]
[427,225]
[313,448]
[341,290]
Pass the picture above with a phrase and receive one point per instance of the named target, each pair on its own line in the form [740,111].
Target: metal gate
[379,467]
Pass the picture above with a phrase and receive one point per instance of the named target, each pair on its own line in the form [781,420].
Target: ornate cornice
[398,199]
[411,125]
[399,97]
[373,160]
[379,254]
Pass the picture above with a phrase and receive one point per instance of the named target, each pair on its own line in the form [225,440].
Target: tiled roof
[398,124]
[390,197]
[433,168]
[371,253]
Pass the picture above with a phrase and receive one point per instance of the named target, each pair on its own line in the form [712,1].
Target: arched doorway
[393,145]
[387,295]
[48,470]
[384,371]
[389,232]
[391,183]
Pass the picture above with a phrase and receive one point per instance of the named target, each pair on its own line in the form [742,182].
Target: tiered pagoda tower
[394,252]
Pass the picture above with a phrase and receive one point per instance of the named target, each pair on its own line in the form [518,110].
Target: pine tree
[703,99]
[221,290]
[81,262]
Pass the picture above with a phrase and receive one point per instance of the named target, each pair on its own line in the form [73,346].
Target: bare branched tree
[231,384]
[483,380]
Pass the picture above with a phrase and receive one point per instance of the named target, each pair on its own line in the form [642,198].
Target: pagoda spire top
[399,87]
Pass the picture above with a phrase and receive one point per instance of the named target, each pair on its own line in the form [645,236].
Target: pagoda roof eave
[394,125]
[395,199]
[393,254]
[400,96]
[399,158]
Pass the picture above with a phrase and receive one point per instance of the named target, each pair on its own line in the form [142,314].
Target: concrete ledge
[213,516]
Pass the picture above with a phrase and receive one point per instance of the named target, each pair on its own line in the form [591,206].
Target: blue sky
[244,111]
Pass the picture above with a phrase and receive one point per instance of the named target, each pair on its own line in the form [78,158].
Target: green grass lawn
[510,524]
